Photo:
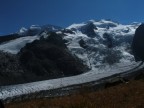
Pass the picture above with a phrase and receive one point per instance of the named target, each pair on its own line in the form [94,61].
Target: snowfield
[14,46]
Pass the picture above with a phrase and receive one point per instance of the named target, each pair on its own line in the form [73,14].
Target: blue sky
[15,14]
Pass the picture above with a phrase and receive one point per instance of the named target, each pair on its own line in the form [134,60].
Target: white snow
[76,26]
[120,34]
[14,46]
[23,30]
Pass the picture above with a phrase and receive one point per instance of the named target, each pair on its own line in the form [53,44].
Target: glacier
[93,75]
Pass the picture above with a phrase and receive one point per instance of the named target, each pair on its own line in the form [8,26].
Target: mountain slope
[103,43]
[14,42]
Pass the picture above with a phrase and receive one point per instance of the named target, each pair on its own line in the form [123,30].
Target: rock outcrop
[138,43]
[88,29]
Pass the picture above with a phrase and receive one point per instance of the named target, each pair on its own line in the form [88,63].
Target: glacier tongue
[13,91]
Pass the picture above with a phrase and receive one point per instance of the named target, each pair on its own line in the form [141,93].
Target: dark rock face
[50,58]
[108,40]
[1,104]
[82,43]
[138,43]
[10,69]
[88,29]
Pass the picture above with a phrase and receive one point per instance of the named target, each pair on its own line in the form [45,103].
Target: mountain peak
[37,29]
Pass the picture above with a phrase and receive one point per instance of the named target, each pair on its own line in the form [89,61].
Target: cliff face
[138,43]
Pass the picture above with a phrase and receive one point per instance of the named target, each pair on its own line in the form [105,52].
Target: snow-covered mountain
[102,43]
[97,43]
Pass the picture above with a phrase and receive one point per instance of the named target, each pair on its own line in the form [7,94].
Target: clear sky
[15,14]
